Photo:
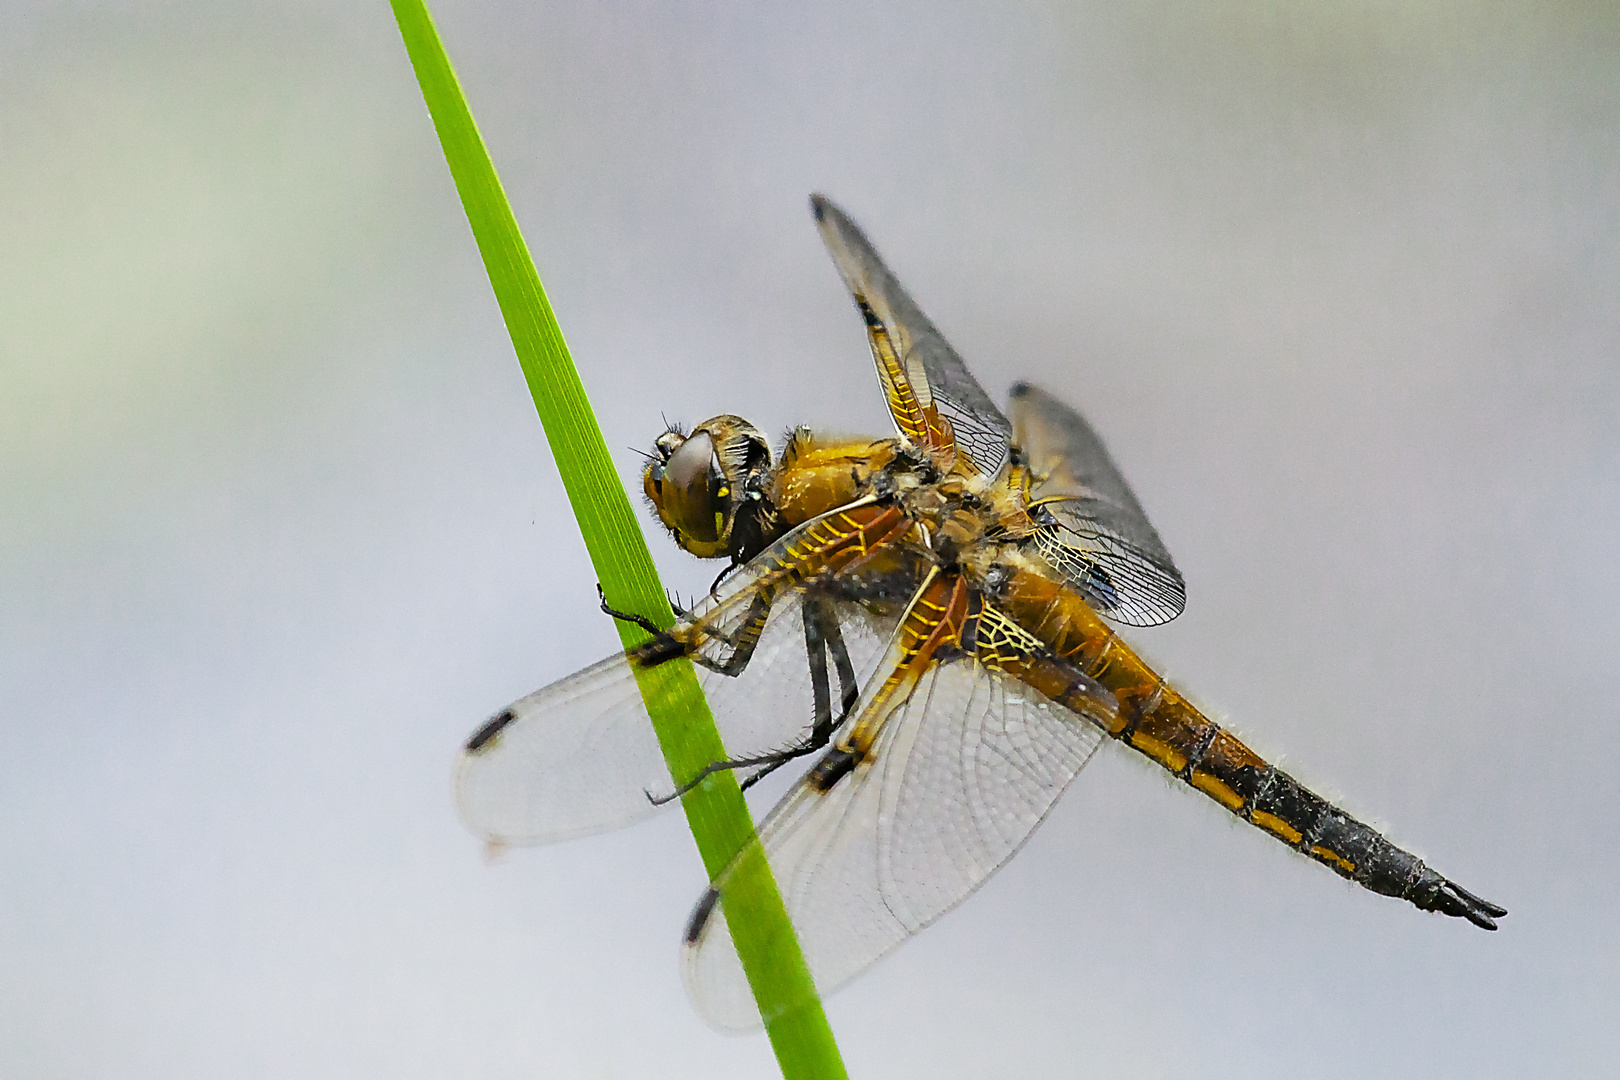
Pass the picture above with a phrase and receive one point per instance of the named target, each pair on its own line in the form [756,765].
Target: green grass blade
[715,809]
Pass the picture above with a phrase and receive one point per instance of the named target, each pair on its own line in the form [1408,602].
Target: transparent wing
[962,774]
[936,372]
[579,756]
[1095,532]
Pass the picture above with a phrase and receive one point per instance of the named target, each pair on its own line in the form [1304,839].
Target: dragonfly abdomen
[1156,720]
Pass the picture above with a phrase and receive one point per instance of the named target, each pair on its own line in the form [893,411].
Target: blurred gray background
[278,525]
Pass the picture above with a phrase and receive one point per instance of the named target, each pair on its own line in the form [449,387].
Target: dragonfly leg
[682,641]
[770,762]
[640,620]
[809,746]
[624,616]
[744,641]
[849,688]
[821,638]
[730,569]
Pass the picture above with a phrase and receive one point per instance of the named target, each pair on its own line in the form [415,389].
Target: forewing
[580,756]
[937,374]
[1095,532]
[962,774]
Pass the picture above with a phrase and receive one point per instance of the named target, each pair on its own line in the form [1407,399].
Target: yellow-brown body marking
[979,524]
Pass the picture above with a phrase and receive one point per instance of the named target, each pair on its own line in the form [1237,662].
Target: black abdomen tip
[1480,912]
[1448,898]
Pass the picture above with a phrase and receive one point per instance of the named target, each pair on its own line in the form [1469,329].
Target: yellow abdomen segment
[1156,720]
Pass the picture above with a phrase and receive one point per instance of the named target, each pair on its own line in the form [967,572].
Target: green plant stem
[715,809]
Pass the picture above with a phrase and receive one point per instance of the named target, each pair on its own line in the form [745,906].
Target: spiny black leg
[623,616]
[745,640]
[751,780]
[816,741]
[819,628]
[821,636]
[727,572]
[815,647]
[850,689]
[772,761]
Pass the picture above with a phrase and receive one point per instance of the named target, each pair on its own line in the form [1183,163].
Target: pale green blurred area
[1337,282]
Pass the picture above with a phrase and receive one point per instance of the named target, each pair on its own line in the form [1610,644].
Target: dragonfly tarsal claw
[714,588]
[624,616]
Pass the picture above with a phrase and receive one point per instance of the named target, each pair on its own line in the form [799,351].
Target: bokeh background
[278,527]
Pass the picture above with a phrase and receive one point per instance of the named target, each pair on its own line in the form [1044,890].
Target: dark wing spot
[662,648]
[869,315]
[482,737]
[700,915]
[833,767]
[1101,582]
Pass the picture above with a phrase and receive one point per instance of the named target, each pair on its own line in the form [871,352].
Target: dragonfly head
[700,483]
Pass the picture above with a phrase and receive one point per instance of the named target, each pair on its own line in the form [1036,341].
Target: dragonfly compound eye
[704,484]
[690,493]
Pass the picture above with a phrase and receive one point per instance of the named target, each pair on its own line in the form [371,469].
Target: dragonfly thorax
[966,522]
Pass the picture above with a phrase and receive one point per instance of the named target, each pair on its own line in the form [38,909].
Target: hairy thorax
[971,523]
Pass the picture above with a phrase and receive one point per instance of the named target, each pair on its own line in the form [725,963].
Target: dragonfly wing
[935,372]
[571,759]
[1094,531]
[961,775]
[580,756]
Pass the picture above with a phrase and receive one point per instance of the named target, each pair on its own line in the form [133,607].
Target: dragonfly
[928,618]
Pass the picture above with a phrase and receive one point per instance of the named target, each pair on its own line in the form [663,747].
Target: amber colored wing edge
[579,757]
[917,367]
[961,774]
